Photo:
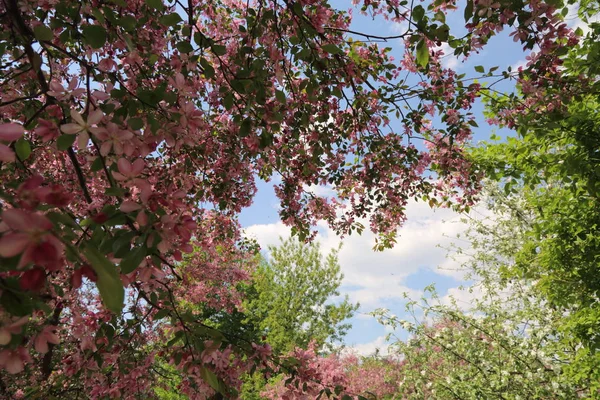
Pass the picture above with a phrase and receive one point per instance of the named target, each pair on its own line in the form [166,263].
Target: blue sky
[379,279]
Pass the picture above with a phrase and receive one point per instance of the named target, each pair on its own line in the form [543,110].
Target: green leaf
[127,22]
[170,19]
[155,4]
[228,101]
[96,165]
[16,303]
[109,283]
[280,96]
[65,141]
[133,259]
[418,13]
[469,10]
[94,36]
[178,336]
[245,127]
[209,71]
[23,149]
[97,13]
[480,69]
[331,49]
[184,47]
[135,123]
[43,33]
[161,314]
[201,40]
[219,50]
[209,377]
[422,53]
[115,191]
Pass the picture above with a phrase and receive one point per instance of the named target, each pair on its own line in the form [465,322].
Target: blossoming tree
[134,131]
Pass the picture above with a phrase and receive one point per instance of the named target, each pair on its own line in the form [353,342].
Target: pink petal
[14,364]
[138,167]
[12,244]
[77,118]
[52,338]
[58,245]
[129,206]
[97,130]
[71,129]
[95,117]
[11,132]
[6,153]
[119,177]
[15,327]
[142,218]
[41,222]
[73,84]
[105,148]
[17,219]
[4,355]
[5,337]
[125,135]
[40,344]
[124,166]
[82,140]
[100,95]
[56,87]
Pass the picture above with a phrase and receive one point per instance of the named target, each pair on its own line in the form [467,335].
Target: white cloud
[371,277]
[518,64]
[462,296]
[367,349]
[574,22]
[320,190]
[449,60]
[267,234]
[399,27]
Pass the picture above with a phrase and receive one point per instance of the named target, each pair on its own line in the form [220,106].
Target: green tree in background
[554,166]
[290,300]
[289,303]
[505,340]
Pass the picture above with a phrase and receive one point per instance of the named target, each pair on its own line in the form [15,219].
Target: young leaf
[155,4]
[422,53]
[43,33]
[65,141]
[331,49]
[94,36]
[23,149]
[133,259]
[109,282]
[209,377]
[170,19]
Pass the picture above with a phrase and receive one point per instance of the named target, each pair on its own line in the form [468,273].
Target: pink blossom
[128,170]
[47,335]
[12,328]
[59,92]
[83,127]
[11,132]
[6,154]
[30,235]
[47,130]
[13,361]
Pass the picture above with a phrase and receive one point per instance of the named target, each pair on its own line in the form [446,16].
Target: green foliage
[290,302]
[510,343]
[554,167]
[109,283]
